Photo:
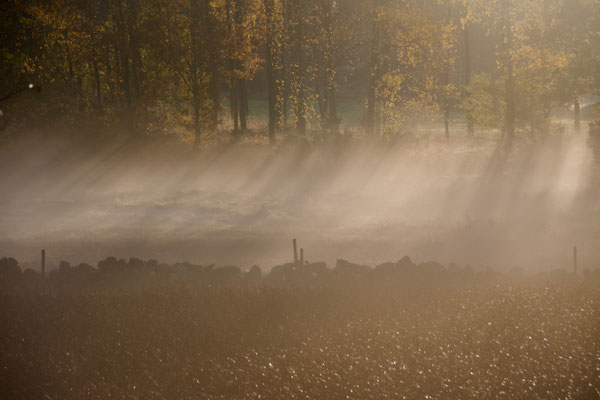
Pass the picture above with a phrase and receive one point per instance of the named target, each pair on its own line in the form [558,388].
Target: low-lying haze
[368,202]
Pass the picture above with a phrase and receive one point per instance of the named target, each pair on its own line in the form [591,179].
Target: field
[346,336]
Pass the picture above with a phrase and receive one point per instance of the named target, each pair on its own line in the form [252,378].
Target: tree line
[193,66]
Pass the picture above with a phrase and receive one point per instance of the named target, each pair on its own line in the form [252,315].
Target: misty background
[368,202]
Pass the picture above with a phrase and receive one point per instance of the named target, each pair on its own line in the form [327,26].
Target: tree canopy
[187,67]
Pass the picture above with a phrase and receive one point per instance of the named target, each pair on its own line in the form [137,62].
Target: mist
[364,200]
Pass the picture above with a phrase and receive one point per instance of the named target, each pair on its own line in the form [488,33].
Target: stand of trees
[192,66]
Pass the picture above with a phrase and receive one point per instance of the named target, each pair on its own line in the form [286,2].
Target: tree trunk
[125,81]
[510,82]
[371,106]
[109,77]
[98,87]
[194,69]
[233,100]
[447,121]
[208,33]
[69,58]
[371,97]
[470,128]
[232,65]
[134,50]
[271,82]
[213,93]
[330,24]
[243,104]
[446,104]
[323,105]
[196,116]
[334,125]
[300,75]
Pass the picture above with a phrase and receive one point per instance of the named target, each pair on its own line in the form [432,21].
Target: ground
[430,341]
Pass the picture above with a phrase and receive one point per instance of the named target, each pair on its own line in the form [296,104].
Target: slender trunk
[98,87]
[125,87]
[300,106]
[330,19]
[371,97]
[287,57]
[233,100]
[323,105]
[134,51]
[300,111]
[194,69]
[271,82]
[208,33]
[510,82]
[118,84]
[233,103]
[213,93]
[470,127]
[135,62]
[371,106]
[447,122]
[243,104]
[196,116]
[446,104]
[195,101]
[69,58]
[577,108]
[109,78]
[128,118]
[333,118]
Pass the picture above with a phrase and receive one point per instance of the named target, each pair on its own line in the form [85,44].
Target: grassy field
[346,340]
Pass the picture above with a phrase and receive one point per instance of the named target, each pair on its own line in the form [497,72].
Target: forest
[206,70]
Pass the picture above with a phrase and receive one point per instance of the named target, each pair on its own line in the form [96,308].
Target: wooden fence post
[295,251]
[43,262]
